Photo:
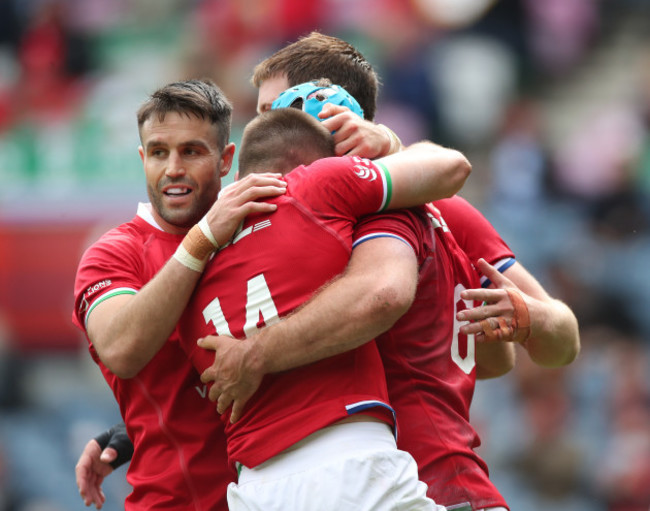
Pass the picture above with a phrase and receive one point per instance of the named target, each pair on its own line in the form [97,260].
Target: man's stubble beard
[185,217]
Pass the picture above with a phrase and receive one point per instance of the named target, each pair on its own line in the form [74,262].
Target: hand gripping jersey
[430,367]
[176,464]
[274,264]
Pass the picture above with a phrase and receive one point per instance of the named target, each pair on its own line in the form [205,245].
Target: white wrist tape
[395,142]
[205,229]
[188,260]
[196,247]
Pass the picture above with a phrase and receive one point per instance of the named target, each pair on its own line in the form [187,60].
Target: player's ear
[227,156]
[141,153]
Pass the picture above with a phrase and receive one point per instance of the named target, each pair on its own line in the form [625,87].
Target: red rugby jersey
[179,460]
[430,367]
[274,264]
[474,234]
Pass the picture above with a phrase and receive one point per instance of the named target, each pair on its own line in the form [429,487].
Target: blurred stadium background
[549,99]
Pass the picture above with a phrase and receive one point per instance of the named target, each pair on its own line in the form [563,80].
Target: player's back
[274,264]
[430,371]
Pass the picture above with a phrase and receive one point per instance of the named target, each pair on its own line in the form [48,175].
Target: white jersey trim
[375,235]
[387,184]
[144,212]
[361,406]
[501,265]
[108,294]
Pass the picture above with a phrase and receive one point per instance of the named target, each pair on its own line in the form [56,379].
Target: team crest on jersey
[363,168]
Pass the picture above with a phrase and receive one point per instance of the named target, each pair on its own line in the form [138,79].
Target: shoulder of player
[116,242]
[335,168]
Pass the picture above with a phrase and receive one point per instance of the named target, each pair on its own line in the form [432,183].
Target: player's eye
[191,151]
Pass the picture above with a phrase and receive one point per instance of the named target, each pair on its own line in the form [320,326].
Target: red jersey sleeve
[356,186]
[475,235]
[406,225]
[112,265]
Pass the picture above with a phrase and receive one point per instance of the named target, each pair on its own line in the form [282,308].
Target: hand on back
[240,199]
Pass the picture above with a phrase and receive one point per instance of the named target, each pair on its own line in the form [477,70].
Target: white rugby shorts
[352,466]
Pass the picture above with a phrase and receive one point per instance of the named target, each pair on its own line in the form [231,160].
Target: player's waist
[338,441]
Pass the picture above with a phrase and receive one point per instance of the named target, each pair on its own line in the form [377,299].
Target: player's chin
[182,216]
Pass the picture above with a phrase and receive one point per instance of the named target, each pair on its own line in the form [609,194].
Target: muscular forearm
[425,172]
[127,331]
[554,340]
[373,293]
[338,320]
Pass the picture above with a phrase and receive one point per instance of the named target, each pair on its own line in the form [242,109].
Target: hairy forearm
[425,172]
[377,288]
[555,339]
[340,319]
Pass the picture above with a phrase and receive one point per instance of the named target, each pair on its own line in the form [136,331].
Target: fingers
[89,485]
[258,192]
[521,317]
[223,402]
[237,410]
[498,279]
[487,310]
[208,376]
[341,122]
[330,109]
[83,485]
[208,343]
[501,331]
[223,399]
[239,200]
[83,468]
[253,187]
[489,271]
[257,180]
[97,499]
[258,207]
[226,399]
[214,392]
[508,319]
[480,295]
[353,143]
[108,455]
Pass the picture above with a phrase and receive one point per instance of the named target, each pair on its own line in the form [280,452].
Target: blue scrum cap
[310,97]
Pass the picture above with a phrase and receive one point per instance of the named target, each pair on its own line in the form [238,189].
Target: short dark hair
[281,140]
[321,56]
[202,98]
